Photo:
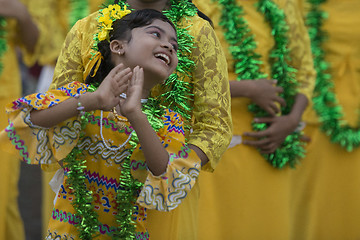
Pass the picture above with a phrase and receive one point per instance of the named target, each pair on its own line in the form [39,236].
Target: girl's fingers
[123,75]
[116,69]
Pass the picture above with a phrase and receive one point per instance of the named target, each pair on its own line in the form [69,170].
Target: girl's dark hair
[200,13]
[122,31]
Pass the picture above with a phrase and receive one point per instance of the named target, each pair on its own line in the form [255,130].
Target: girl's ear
[117,47]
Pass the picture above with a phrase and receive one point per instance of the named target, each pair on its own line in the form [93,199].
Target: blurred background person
[19,30]
[268,49]
[325,187]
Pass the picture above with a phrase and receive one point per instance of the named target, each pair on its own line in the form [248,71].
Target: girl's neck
[159,5]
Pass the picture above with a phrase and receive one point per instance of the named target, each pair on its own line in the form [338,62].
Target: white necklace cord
[143,100]
[102,137]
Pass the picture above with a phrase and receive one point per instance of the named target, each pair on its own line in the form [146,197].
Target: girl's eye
[156,34]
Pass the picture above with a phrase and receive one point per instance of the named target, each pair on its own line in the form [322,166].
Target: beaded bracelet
[80,107]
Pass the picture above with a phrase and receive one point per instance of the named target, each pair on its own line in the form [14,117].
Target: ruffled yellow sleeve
[39,145]
[167,191]
[300,49]
[212,129]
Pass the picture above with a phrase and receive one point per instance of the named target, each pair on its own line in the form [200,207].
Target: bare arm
[28,30]
[155,154]
[262,92]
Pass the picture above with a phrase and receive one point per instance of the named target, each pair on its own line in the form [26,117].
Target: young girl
[203,66]
[121,153]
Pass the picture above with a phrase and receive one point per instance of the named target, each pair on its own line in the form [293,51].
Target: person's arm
[156,156]
[212,128]
[104,98]
[28,30]
[262,92]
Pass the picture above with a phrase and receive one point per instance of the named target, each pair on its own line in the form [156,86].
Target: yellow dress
[212,127]
[54,15]
[104,164]
[325,188]
[246,198]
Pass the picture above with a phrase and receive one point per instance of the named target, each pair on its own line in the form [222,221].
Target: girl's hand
[115,83]
[271,138]
[264,93]
[131,106]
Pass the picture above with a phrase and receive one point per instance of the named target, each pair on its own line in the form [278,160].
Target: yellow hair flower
[108,16]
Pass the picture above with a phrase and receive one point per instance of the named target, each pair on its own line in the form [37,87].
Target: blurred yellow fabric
[246,198]
[325,188]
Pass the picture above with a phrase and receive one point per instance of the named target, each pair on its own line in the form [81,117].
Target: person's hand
[271,138]
[264,93]
[11,8]
[115,83]
[130,106]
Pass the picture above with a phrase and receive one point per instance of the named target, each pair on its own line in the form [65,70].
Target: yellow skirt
[326,191]
[245,198]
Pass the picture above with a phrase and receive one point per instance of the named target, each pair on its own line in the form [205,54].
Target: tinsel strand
[324,101]
[247,66]
[78,10]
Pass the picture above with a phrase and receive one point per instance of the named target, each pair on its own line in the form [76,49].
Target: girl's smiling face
[152,47]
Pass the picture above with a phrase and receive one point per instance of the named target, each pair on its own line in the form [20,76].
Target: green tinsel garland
[325,103]
[128,187]
[247,66]
[3,42]
[177,93]
[177,98]
[78,10]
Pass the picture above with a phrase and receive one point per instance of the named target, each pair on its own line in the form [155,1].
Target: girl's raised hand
[115,83]
[130,106]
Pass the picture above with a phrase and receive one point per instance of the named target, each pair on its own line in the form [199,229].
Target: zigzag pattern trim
[64,216]
[19,144]
[135,165]
[183,153]
[101,180]
[72,219]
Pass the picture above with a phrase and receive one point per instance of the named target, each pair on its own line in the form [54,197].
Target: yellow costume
[104,165]
[325,186]
[56,16]
[212,121]
[245,197]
